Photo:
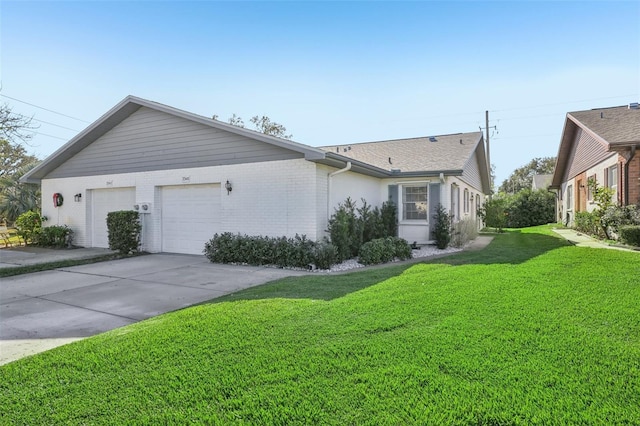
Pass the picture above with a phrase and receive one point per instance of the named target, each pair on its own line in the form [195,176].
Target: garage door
[190,217]
[104,201]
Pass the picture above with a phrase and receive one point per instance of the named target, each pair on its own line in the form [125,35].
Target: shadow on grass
[511,247]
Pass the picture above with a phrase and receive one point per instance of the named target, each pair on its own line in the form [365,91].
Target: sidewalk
[581,240]
[30,255]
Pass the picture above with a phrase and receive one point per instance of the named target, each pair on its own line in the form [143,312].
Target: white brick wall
[269,198]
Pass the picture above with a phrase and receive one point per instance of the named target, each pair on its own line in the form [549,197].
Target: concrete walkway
[581,240]
[29,255]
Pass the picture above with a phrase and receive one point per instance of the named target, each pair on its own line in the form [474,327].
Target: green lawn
[528,331]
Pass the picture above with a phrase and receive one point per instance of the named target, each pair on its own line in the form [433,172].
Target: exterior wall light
[228,187]
[77,198]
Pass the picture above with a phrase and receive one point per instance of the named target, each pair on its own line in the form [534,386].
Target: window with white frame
[612,180]
[570,197]
[466,205]
[415,202]
[455,201]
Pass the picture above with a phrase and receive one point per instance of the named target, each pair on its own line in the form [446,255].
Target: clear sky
[331,72]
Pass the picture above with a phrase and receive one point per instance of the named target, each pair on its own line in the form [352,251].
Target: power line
[51,136]
[46,122]
[561,103]
[43,108]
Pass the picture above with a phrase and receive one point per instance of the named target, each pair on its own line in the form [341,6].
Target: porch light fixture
[228,187]
[77,198]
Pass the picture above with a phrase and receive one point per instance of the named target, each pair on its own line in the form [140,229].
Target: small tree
[603,197]
[494,213]
[28,225]
[442,230]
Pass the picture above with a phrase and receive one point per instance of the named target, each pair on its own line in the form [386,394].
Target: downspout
[329,176]
[627,184]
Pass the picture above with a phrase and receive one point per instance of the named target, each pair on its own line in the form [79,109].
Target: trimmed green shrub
[530,208]
[494,213]
[442,230]
[630,234]
[324,255]
[54,236]
[384,250]
[350,227]
[124,231]
[616,216]
[28,225]
[296,252]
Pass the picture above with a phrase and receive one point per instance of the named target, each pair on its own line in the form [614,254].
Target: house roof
[131,104]
[542,181]
[425,156]
[444,153]
[615,128]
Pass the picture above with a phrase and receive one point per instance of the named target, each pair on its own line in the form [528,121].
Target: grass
[38,267]
[529,330]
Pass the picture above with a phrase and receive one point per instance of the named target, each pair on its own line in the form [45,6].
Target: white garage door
[104,201]
[190,217]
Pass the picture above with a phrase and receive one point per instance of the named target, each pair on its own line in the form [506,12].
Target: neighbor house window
[570,197]
[612,180]
[591,178]
[414,203]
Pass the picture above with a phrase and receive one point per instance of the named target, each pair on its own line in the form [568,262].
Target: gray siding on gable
[153,140]
[471,173]
[585,153]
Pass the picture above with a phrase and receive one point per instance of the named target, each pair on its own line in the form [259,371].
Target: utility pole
[486,118]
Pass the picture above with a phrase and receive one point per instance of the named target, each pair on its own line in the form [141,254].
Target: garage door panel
[104,201]
[190,217]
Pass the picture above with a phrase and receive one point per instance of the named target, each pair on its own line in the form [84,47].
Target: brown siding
[585,153]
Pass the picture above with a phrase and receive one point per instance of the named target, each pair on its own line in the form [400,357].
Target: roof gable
[75,157]
[591,136]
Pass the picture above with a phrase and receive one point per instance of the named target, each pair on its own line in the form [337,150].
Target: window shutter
[434,200]
[393,194]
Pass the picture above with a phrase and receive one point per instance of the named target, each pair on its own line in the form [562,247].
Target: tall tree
[17,197]
[13,157]
[261,124]
[14,128]
[522,177]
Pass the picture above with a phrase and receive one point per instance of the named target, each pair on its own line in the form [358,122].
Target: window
[414,203]
[612,180]
[570,197]
[465,200]
[455,201]
[592,178]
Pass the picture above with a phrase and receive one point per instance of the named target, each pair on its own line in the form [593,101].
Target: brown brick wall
[634,180]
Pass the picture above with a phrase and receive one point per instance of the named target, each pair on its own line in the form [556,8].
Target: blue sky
[331,72]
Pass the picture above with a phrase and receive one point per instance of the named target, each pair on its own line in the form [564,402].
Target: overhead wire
[43,108]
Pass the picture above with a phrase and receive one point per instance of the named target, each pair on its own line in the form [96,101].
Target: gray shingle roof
[439,153]
[618,125]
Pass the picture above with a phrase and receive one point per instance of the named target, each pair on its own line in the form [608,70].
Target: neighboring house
[599,144]
[175,166]
[541,182]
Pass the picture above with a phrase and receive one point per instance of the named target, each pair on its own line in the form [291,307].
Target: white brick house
[174,165]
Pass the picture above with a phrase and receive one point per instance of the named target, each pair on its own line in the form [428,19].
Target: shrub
[588,223]
[124,231]
[384,250]
[530,208]
[463,231]
[28,225]
[616,216]
[442,230]
[630,234]
[343,230]
[350,227]
[324,255]
[54,236]
[297,252]
[494,214]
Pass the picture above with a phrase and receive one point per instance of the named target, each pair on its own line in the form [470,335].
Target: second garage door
[190,217]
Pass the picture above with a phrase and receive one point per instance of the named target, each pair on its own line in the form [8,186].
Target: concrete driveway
[45,309]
